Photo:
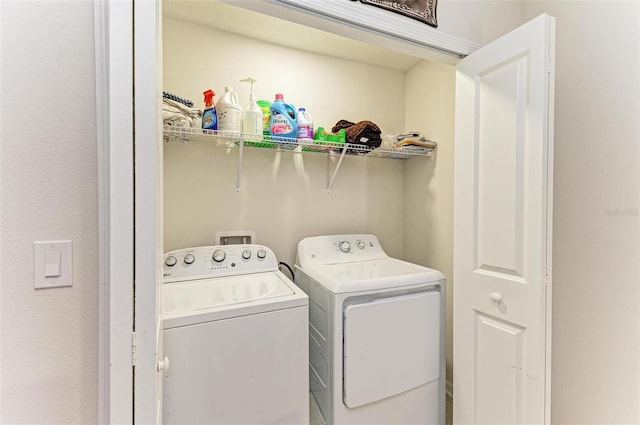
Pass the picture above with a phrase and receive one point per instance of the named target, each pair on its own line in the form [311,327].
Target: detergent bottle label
[305,131]
[280,125]
[209,120]
[229,119]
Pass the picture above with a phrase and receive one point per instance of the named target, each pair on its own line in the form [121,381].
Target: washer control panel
[333,249]
[216,261]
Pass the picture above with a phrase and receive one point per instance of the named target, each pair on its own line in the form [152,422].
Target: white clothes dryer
[234,329]
[376,333]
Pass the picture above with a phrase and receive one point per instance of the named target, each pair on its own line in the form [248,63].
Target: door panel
[501,229]
[498,381]
[502,102]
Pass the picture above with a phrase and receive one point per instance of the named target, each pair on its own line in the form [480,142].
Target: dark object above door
[422,10]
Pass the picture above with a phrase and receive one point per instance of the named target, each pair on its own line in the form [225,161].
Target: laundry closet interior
[285,196]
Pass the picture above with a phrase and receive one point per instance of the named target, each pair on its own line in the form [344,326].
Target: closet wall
[430,108]
[283,195]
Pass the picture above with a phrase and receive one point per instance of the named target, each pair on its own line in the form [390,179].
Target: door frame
[129,192]
[121,206]
[114,122]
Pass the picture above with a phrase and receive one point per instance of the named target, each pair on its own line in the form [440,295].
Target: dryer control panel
[216,261]
[334,249]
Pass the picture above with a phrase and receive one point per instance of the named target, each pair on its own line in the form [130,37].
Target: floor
[316,419]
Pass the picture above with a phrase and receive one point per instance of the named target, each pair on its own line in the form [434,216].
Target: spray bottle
[252,115]
[209,116]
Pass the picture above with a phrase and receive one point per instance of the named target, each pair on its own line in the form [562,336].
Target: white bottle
[252,115]
[305,124]
[229,112]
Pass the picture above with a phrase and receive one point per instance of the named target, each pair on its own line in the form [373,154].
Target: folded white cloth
[177,114]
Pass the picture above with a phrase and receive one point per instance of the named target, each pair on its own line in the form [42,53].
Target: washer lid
[198,301]
[369,275]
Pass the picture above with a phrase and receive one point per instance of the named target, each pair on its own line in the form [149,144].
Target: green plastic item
[266,115]
[321,136]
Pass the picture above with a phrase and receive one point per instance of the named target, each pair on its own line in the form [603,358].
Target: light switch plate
[52,264]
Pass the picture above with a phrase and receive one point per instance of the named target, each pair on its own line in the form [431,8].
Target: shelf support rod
[335,171]
[240,152]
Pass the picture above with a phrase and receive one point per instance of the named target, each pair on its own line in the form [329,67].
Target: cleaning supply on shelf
[252,115]
[229,112]
[209,116]
[265,105]
[284,118]
[305,124]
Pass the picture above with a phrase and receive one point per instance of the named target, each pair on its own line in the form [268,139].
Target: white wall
[430,107]
[49,369]
[283,196]
[480,21]
[596,272]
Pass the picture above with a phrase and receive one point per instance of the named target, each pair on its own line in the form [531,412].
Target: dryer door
[391,345]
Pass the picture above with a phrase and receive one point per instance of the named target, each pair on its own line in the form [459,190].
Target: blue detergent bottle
[209,116]
[284,119]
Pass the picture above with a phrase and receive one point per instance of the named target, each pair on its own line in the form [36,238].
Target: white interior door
[502,222]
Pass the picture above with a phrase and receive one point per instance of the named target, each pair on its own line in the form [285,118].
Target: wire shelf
[233,139]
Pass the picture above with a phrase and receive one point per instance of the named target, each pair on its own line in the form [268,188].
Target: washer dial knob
[170,261]
[261,253]
[360,244]
[189,259]
[246,254]
[344,246]
[219,255]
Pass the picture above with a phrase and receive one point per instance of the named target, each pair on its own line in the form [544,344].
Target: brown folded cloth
[361,133]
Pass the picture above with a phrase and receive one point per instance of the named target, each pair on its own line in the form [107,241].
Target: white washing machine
[235,333]
[376,333]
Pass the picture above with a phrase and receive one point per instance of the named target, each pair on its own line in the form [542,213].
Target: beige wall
[429,186]
[283,196]
[596,272]
[49,338]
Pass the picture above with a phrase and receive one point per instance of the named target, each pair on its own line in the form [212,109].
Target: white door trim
[148,152]
[367,24]
[551,81]
[114,120]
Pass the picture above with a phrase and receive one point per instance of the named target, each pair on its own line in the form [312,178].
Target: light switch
[52,264]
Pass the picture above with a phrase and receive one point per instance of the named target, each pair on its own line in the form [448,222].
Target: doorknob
[496,297]
[163,364]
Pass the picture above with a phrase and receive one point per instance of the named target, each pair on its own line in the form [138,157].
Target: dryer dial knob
[219,255]
[261,253]
[360,244]
[246,254]
[189,259]
[344,246]
[170,261]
